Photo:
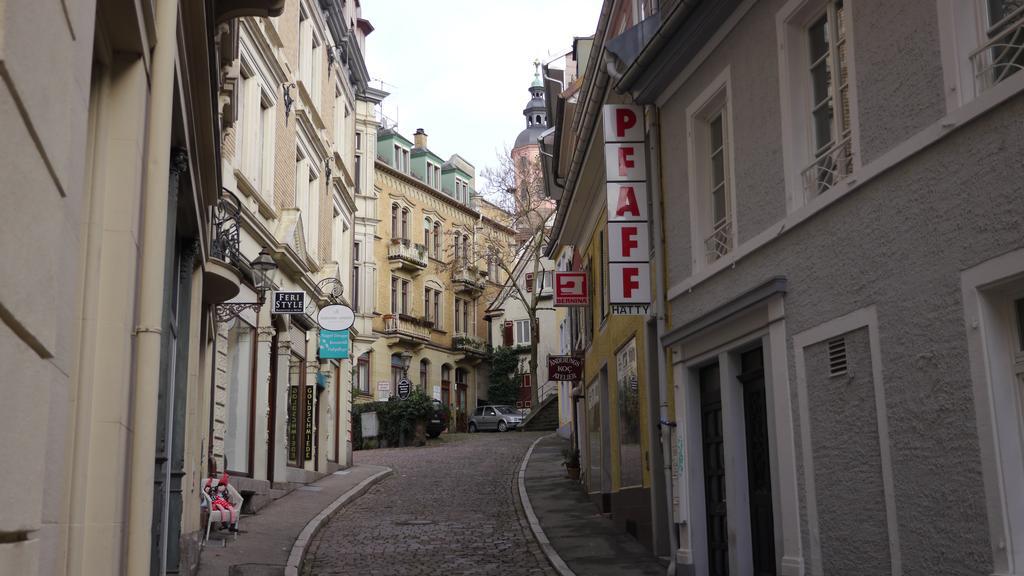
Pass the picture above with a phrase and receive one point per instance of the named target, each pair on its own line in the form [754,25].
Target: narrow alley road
[449,508]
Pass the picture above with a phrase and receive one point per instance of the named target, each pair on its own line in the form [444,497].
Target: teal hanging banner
[333,344]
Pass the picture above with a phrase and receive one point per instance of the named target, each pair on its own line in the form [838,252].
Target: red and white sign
[571,289]
[627,201]
[623,123]
[628,242]
[625,155]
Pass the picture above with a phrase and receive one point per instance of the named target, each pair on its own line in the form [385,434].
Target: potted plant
[571,461]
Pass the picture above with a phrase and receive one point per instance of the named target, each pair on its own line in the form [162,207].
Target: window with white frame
[306,50]
[255,133]
[713,230]
[522,332]
[982,45]
[307,200]
[818,94]
[828,71]
[340,122]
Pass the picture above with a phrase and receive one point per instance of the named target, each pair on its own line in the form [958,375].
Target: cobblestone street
[449,508]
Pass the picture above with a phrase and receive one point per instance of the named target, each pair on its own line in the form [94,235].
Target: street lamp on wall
[263,268]
[406,362]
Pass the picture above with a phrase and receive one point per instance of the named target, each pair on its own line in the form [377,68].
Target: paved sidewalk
[273,540]
[587,543]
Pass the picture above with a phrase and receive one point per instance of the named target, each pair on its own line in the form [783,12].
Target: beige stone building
[291,157]
[109,286]
[432,282]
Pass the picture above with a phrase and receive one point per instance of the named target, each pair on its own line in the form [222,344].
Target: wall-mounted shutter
[507,336]
[529,281]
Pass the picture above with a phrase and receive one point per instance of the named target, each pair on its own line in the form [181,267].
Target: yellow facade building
[432,280]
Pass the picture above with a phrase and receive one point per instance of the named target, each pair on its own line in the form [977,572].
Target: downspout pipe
[665,422]
[151,289]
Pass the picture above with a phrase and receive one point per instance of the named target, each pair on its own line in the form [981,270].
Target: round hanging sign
[404,388]
[335,317]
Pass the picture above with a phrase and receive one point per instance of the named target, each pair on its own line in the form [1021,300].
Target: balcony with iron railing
[406,328]
[830,167]
[1003,54]
[463,342]
[404,254]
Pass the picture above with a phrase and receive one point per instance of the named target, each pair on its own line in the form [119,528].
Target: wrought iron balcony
[719,242]
[406,328]
[224,241]
[1003,55]
[463,342]
[403,254]
[828,169]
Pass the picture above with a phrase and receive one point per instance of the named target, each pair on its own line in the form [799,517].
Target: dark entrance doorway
[714,471]
[759,480]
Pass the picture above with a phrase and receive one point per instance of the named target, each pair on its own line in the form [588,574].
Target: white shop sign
[625,153]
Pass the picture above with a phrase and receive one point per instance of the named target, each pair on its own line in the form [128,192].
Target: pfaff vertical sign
[625,156]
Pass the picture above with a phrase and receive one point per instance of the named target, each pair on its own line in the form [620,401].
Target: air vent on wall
[837,356]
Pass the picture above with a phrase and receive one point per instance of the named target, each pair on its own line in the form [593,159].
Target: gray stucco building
[841,278]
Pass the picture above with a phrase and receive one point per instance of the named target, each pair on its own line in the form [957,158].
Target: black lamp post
[263,268]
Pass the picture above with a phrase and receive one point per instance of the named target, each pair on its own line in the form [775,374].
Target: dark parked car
[500,418]
[438,420]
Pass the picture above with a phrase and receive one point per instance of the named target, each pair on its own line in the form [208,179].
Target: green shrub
[396,419]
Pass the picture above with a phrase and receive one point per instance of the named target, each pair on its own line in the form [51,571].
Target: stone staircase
[544,417]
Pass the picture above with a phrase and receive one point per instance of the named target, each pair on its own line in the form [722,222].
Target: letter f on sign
[628,242]
[629,280]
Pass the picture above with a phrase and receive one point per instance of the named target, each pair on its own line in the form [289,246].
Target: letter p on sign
[623,123]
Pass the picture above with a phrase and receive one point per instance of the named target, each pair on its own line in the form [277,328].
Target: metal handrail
[1002,55]
[828,168]
[719,242]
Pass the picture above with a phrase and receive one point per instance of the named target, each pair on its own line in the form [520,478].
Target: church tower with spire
[531,205]
[536,114]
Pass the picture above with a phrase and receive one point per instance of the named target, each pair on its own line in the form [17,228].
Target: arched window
[426,234]
[424,374]
[394,220]
[538,119]
[465,249]
[437,239]
[405,223]
[446,384]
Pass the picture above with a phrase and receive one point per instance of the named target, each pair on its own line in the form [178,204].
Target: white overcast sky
[461,69]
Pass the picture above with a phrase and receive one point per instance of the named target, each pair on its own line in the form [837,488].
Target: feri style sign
[629,266]
[565,368]
[571,289]
[289,302]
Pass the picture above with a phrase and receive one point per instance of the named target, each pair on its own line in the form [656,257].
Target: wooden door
[759,473]
[714,471]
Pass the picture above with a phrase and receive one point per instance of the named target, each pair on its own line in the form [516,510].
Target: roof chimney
[419,138]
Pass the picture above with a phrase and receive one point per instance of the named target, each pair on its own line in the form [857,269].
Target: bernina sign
[565,368]
[629,267]
[571,289]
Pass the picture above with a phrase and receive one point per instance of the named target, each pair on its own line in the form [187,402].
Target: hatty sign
[629,266]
